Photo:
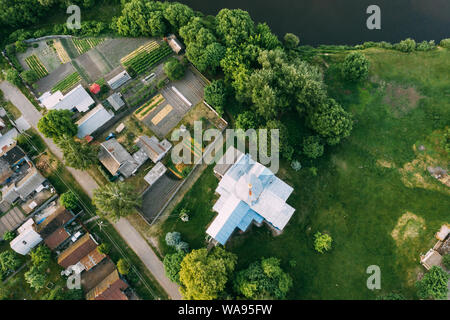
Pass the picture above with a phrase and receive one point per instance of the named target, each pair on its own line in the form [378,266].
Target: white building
[78,98]
[27,239]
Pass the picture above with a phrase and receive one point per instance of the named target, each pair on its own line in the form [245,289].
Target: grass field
[360,195]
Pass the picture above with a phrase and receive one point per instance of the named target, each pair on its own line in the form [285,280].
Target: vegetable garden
[143,60]
[147,107]
[67,83]
[35,64]
[85,44]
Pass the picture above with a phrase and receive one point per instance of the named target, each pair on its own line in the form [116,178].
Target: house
[52,228]
[27,239]
[175,44]
[116,101]
[93,120]
[111,288]
[92,259]
[8,141]
[77,251]
[119,80]
[94,88]
[154,149]
[116,159]
[155,173]
[32,182]
[14,156]
[434,256]
[78,98]
[249,193]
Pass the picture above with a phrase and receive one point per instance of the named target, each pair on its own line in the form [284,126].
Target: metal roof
[119,80]
[93,120]
[77,98]
[116,101]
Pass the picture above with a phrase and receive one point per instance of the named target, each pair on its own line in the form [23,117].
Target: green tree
[104,248]
[57,123]
[123,266]
[9,261]
[178,15]
[172,238]
[29,76]
[12,76]
[246,120]
[216,94]
[312,147]
[78,155]
[263,280]
[174,69]
[20,13]
[203,274]
[285,148]
[407,45]
[355,67]
[291,41]
[41,256]
[8,236]
[331,121]
[322,242]
[172,265]
[69,200]
[116,200]
[234,26]
[36,278]
[434,284]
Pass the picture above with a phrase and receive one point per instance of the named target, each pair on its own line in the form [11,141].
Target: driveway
[123,227]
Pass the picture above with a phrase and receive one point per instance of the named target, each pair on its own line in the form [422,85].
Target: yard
[362,194]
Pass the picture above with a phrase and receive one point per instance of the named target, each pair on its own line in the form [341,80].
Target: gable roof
[153,148]
[119,80]
[109,289]
[29,183]
[116,158]
[13,155]
[92,259]
[56,238]
[93,120]
[8,140]
[116,101]
[77,98]
[59,218]
[73,254]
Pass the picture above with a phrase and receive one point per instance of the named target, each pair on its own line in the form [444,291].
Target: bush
[407,45]
[426,46]
[445,43]
[104,248]
[172,266]
[322,242]
[312,147]
[29,76]
[12,75]
[69,200]
[174,69]
[182,246]
[446,260]
[433,284]
[123,266]
[8,236]
[296,165]
[173,238]
[355,67]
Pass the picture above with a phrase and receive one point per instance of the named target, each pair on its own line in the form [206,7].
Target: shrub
[172,265]
[433,285]
[322,242]
[69,200]
[182,246]
[104,248]
[445,43]
[355,67]
[173,238]
[446,260]
[407,45]
[426,46]
[174,69]
[296,165]
[123,266]
[312,147]
[8,236]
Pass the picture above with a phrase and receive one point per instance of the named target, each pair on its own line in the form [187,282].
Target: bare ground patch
[385,164]
[409,226]
[402,100]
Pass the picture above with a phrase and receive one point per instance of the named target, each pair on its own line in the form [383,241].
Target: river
[343,21]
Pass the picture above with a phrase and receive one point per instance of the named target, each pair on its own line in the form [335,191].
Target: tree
[263,279]
[178,15]
[12,76]
[8,236]
[291,41]
[407,45]
[286,150]
[234,26]
[41,256]
[312,147]
[29,76]
[355,67]
[123,266]
[182,246]
[104,248]
[36,278]
[69,200]
[78,155]
[203,274]
[434,284]
[57,123]
[172,265]
[331,121]
[116,200]
[9,261]
[322,242]
[174,69]
[216,94]
[246,120]
[296,165]
[173,238]
[20,13]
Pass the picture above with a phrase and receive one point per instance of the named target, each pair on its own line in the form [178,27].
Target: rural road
[131,236]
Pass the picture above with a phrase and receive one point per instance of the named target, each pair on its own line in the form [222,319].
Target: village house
[249,193]
[52,227]
[111,288]
[116,158]
[27,238]
[434,256]
[155,173]
[78,98]
[154,149]
[77,251]
[119,80]
[116,101]
[8,141]
[92,121]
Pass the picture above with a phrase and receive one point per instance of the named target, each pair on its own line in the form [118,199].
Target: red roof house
[94,88]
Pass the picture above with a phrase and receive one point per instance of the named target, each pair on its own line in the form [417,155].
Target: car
[150,77]
[110,136]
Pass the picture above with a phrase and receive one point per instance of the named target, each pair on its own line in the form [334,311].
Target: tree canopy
[172,265]
[204,274]
[78,155]
[355,67]
[69,200]
[116,200]
[434,284]
[263,279]
[57,123]
[174,69]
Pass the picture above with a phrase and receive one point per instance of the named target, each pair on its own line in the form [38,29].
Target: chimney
[250,189]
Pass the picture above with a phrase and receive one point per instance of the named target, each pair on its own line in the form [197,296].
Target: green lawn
[353,198]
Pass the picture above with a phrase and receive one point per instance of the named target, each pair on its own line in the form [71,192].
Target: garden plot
[35,64]
[47,83]
[85,44]
[61,52]
[113,50]
[45,53]
[94,65]
[146,56]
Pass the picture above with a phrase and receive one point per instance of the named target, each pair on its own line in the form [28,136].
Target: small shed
[155,173]
[430,259]
[116,101]
[94,88]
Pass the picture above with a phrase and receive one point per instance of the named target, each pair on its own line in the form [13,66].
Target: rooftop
[116,101]
[73,254]
[116,158]
[119,80]
[109,289]
[153,148]
[8,140]
[77,98]
[93,120]
[155,173]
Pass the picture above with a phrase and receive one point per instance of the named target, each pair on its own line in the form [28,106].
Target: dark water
[343,21]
